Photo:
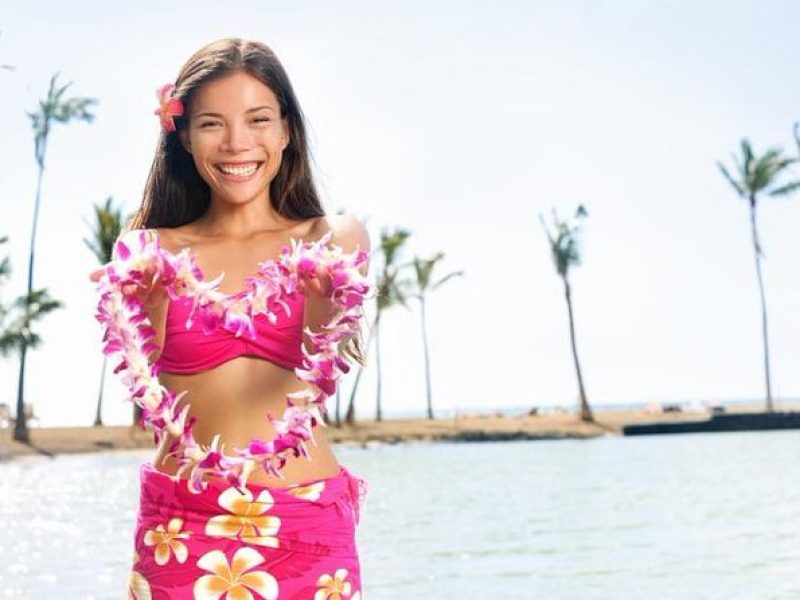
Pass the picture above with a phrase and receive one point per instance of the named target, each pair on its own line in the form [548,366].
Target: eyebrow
[249,110]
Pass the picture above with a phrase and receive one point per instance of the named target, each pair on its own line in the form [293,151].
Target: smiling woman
[231,182]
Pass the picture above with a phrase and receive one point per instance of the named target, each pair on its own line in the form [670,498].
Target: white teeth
[239,170]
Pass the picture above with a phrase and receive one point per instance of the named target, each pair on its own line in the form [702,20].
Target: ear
[183,134]
[287,138]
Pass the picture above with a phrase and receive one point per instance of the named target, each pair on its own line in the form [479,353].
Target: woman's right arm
[154,298]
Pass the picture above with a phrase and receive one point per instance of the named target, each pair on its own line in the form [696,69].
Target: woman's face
[236,136]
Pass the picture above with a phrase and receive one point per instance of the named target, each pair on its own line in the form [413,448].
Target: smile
[238,171]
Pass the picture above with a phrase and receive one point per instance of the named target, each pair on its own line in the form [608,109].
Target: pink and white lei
[138,259]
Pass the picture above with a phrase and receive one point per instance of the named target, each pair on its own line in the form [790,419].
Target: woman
[231,181]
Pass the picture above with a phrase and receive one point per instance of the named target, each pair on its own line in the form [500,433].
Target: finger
[324,284]
[314,285]
[130,288]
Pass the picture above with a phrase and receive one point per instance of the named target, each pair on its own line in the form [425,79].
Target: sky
[462,122]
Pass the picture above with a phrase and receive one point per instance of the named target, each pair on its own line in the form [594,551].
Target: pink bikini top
[191,350]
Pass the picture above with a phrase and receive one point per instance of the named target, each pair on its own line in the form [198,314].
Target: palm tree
[16,332]
[756,175]
[105,231]
[390,292]
[5,273]
[338,404]
[566,253]
[52,108]
[796,132]
[423,270]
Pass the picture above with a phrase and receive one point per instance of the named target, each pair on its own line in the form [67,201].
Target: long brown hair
[175,194]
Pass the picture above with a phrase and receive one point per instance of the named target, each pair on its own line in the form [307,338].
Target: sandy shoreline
[65,440]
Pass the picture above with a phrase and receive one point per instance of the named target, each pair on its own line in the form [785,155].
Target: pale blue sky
[461,121]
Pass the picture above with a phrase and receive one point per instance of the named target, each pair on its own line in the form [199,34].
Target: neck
[240,220]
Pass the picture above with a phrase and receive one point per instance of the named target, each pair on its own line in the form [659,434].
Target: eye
[261,119]
[207,123]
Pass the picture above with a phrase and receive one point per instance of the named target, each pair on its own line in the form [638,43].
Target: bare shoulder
[347,232]
[135,238]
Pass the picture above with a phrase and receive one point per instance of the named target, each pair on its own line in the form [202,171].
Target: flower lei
[138,259]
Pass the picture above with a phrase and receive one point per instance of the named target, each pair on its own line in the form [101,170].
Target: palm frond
[5,265]
[391,244]
[38,302]
[785,190]
[401,291]
[758,174]
[444,279]
[423,269]
[52,108]
[731,180]
[390,290]
[564,245]
[105,230]
[550,238]
[8,342]
[20,331]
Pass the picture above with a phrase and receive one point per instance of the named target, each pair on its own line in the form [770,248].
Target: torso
[233,398]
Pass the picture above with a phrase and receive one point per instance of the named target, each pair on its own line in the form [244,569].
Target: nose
[237,138]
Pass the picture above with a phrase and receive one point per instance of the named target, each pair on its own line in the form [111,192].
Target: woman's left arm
[350,235]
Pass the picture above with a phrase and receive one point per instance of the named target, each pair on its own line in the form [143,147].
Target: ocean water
[684,516]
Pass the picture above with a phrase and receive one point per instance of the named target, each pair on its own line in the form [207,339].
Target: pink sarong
[272,542]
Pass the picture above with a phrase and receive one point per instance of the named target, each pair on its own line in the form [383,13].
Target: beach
[552,424]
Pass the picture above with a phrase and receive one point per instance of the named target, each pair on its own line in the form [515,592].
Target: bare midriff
[233,400]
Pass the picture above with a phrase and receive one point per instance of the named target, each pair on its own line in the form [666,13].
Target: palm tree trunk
[586,412]
[378,414]
[21,433]
[350,415]
[137,414]
[757,251]
[21,424]
[98,419]
[427,358]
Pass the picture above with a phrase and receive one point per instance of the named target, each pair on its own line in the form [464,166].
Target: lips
[242,163]
[238,171]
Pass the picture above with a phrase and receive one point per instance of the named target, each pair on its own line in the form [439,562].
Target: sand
[474,427]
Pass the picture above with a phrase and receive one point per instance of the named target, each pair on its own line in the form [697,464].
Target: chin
[241,197]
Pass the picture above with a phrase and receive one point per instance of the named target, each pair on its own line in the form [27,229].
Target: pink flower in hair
[169,107]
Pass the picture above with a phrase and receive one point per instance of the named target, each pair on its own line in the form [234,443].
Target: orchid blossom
[169,106]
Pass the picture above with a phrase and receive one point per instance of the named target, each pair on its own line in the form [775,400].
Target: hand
[95,275]
[149,295]
[319,285]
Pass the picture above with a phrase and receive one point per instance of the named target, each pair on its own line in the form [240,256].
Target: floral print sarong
[272,542]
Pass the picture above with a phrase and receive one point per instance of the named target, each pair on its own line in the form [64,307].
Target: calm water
[684,516]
